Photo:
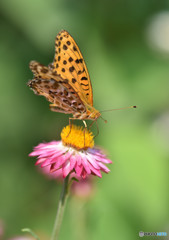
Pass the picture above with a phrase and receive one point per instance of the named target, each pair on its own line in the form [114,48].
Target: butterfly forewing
[69,64]
[66,82]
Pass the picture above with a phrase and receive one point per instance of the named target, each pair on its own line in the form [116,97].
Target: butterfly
[66,82]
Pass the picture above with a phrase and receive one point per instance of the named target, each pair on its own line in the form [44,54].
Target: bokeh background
[126,47]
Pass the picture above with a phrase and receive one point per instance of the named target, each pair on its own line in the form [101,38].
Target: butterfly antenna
[118,109]
[103,119]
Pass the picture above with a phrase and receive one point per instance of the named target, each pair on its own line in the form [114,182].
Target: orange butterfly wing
[69,64]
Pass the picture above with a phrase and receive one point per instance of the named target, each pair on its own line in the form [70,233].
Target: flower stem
[60,210]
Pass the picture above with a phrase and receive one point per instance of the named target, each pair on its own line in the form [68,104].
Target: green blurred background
[126,47]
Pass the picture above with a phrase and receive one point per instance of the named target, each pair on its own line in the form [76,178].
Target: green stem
[60,210]
[31,232]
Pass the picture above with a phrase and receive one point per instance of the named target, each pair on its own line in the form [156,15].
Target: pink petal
[49,146]
[78,159]
[51,159]
[42,152]
[95,171]
[62,159]
[103,167]
[78,169]
[46,162]
[86,165]
[55,156]
[84,174]
[52,167]
[95,151]
[66,169]
[104,160]
[45,146]
[40,161]
[33,154]
[92,161]
[51,153]
[72,162]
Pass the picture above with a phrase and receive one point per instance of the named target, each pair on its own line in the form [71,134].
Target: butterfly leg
[84,130]
[70,124]
[97,129]
[91,125]
[96,126]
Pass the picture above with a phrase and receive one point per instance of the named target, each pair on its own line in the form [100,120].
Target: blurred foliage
[124,71]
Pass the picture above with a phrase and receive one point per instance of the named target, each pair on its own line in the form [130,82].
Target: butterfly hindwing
[69,64]
[55,89]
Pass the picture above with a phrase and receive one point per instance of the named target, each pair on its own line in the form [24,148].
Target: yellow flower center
[77,137]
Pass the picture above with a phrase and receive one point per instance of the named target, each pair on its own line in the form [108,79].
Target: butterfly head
[95,114]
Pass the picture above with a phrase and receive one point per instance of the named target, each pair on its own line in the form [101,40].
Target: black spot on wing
[70,59]
[84,78]
[71,69]
[64,47]
[85,84]
[80,72]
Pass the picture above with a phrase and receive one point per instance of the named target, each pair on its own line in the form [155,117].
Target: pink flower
[67,157]
[83,189]
[57,175]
